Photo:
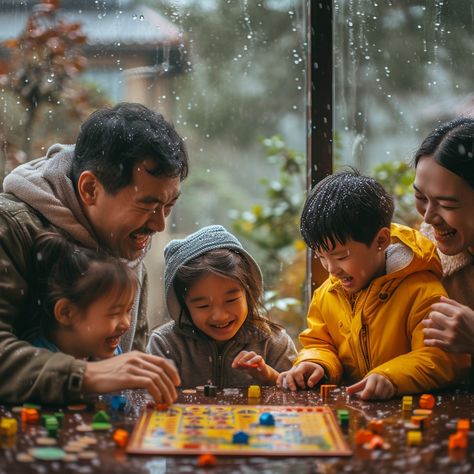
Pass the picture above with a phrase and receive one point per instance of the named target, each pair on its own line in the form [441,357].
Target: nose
[157,221]
[332,266]
[430,215]
[125,321]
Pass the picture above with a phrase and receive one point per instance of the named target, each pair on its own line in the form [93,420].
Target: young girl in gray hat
[218,333]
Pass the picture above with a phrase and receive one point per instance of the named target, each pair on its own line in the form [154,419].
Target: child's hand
[373,387]
[305,374]
[255,364]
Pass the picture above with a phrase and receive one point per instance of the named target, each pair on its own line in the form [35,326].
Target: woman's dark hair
[343,206]
[452,146]
[66,270]
[111,141]
[230,264]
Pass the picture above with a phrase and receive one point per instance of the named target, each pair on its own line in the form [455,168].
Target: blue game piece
[118,402]
[241,437]
[267,419]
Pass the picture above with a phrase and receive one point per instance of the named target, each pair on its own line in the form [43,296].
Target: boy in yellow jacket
[364,321]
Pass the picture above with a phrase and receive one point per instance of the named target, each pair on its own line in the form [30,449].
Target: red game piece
[207,460]
[427,401]
[247,366]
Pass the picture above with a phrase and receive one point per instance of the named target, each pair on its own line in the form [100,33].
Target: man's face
[125,221]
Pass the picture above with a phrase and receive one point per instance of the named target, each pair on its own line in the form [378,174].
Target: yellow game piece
[414,438]
[8,426]
[254,391]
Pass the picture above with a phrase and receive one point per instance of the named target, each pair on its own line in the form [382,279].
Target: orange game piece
[376,442]
[161,406]
[463,425]
[325,389]
[207,460]
[427,401]
[363,436]
[29,415]
[376,426]
[457,441]
[120,437]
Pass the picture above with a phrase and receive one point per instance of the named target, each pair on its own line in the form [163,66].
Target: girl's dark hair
[231,264]
[343,206]
[66,270]
[452,146]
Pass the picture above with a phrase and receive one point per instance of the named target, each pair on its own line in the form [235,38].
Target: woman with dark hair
[444,193]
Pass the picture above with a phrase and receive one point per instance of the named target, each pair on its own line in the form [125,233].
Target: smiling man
[111,191]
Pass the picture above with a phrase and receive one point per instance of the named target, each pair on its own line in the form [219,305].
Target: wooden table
[431,456]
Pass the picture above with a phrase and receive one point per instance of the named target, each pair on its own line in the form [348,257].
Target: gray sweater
[199,361]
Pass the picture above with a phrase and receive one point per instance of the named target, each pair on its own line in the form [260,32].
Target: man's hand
[303,375]
[255,365]
[133,370]
[373,387]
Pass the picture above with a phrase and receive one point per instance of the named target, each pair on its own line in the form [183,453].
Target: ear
[382,239]
[88,186]
[64,312]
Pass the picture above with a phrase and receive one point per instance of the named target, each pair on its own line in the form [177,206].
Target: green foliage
[397,177]
[273,225]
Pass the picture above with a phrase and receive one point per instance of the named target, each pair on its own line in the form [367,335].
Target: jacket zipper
[364,338]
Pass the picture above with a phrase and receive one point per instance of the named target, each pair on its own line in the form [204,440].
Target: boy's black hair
[112,140]
[452,146]
[344,206]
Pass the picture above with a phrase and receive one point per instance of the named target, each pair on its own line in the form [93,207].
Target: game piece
[363,436]
[47,454]
[120,437]
[87,440]
[247,365]
[210,390]
[200,388]
[118,403]
[427,401]
[73,447]
[207,460]
[463,425]
[325,390]
[46,441]
[420,421]
[101,417]
[161,406]
[52,426]
[241,437]
[422,412]
[87,455]
[8,427]
[197,429]
[407,405]
[457,441]
[414,438]
[100,426]
[376,426]
[189,390]
[59,415]
[376,442]
[267,419]
[69,457]
[343,418]
[231,391]
[29,415]
[254,391]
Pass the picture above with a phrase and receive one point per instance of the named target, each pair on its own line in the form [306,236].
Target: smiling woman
[444,192]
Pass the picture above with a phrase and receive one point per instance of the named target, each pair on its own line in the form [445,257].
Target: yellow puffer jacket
[382,332]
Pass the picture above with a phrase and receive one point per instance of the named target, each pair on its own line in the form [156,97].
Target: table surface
[431,456]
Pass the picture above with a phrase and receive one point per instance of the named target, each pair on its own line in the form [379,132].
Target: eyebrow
[205,298]
[154,200]
[439,198]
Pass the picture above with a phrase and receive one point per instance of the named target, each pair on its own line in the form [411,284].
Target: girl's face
[354,263]
[446,202]
[218,306]
[98,329]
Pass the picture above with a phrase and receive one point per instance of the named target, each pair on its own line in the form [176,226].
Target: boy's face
[354,263]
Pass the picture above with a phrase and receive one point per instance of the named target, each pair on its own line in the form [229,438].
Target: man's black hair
[345,206]
[112,140]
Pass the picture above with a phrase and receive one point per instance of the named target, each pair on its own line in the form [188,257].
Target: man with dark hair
[112,191]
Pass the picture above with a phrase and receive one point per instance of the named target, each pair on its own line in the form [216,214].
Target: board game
[197,429]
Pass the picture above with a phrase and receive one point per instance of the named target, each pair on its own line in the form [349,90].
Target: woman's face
[445,201]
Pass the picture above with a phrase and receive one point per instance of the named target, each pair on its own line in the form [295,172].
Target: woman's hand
[450,326]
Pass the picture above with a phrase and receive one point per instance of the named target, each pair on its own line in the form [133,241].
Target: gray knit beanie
[180,251]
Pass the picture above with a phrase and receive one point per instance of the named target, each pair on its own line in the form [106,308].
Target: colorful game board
[197,429]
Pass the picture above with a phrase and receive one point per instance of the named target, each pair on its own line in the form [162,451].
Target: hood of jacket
[44,184]
[409,252]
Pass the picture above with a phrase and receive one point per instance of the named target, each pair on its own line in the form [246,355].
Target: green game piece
[48,454]
[59,415]
[343,418]
[100,426]
[101,417]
